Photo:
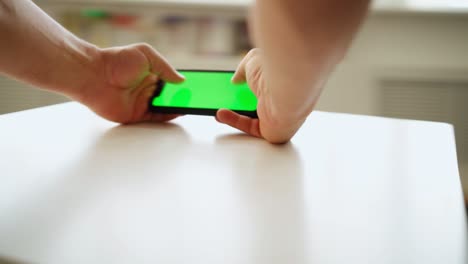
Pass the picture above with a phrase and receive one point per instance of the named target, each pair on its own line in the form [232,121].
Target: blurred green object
[95,13]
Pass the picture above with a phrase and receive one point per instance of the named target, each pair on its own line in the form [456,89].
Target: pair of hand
[131,72]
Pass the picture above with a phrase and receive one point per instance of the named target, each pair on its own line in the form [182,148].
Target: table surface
[75,188]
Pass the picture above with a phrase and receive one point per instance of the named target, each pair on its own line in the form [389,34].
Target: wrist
[88,65]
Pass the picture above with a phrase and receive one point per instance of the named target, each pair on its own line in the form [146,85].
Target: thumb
[159,65]
[240,75]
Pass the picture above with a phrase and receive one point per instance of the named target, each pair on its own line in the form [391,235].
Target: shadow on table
[270,178]
[107,164]
[4,260]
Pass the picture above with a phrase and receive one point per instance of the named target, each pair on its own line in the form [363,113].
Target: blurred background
[410,59]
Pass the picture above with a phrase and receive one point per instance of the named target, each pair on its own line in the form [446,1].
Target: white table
[75,188]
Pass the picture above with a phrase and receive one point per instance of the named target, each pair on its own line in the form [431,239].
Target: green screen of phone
[207,90]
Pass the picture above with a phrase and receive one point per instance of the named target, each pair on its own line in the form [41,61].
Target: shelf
[223,8]
[241,3]
[435,7]
[200,62]
[379,6]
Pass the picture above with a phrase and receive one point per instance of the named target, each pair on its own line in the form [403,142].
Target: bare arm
[301,42]
[116,83]
[37,50]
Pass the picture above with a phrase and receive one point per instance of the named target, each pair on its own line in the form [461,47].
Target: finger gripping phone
[204,93]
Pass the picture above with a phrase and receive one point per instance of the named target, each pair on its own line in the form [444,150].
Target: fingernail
[180,75]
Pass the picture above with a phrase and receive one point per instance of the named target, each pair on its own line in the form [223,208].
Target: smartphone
[203,93]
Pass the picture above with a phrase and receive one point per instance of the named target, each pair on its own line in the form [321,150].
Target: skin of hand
[116,83]
[302,42]
[250,70]
[124,82]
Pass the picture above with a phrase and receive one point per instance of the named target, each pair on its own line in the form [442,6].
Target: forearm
[303,40]
[37,50]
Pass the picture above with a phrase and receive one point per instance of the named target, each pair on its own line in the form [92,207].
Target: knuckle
[254,72]
[255,52]
[144,46]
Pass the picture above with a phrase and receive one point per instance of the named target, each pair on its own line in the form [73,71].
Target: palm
[266,126]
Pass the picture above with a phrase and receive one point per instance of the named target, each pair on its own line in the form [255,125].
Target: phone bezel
[189,110]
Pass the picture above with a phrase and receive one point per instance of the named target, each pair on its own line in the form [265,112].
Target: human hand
[272,127]
[125,80]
